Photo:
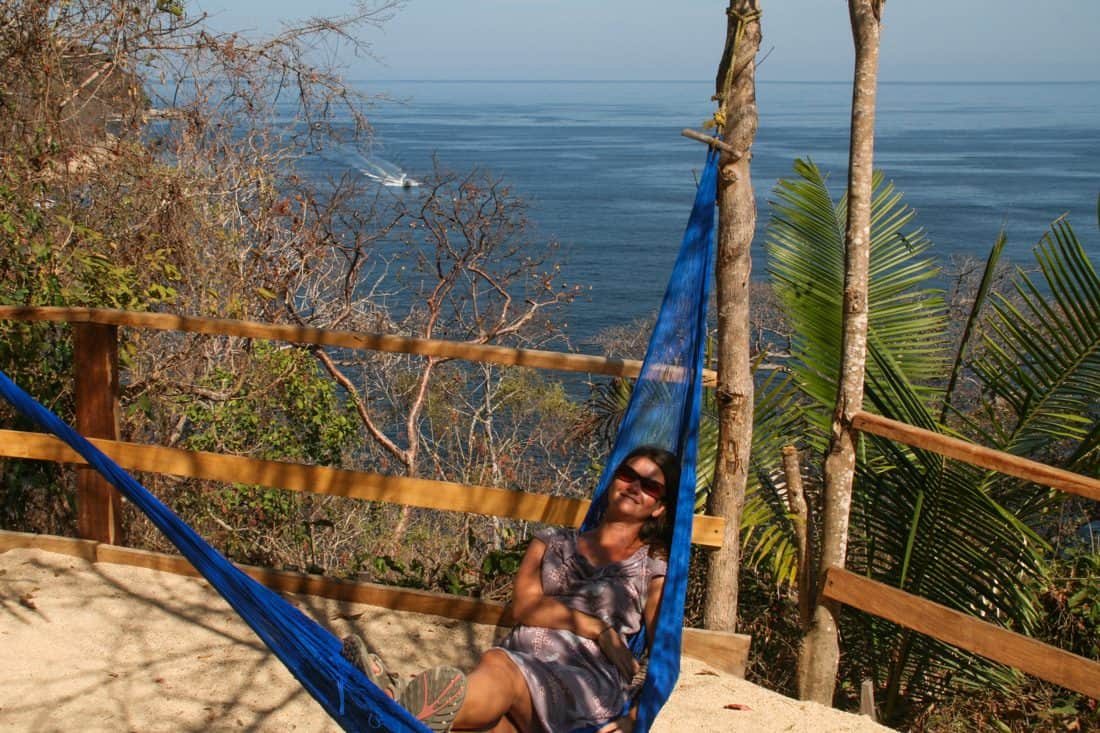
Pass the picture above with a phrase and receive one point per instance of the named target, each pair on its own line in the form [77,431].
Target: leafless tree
[147,162]
[461,267]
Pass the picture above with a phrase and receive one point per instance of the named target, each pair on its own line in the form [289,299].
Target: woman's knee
[498,667]
[496,690]
[489,692]
[520,709]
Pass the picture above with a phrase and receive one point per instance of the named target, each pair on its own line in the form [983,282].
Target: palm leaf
[1042,358]
[984,286]
[959,548]
[767,529]
[919,522]
[805,245]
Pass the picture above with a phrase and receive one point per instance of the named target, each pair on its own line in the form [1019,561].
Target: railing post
[95,363]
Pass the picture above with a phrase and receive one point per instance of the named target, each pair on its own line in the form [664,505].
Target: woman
[576,597]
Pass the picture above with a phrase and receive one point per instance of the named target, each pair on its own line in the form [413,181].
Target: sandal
[354,650]
[434,697]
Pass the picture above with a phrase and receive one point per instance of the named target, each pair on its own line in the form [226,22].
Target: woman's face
[639,485]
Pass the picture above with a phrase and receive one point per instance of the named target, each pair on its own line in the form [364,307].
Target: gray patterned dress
[572,683]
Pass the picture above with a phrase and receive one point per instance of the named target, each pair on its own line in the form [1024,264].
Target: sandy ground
[99,647]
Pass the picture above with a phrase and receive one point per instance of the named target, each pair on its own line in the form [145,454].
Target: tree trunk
[820,650]
[736,94]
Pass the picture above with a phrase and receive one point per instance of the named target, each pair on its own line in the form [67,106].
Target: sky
[804,40]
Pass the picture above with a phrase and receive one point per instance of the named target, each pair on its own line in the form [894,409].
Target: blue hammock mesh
[663,411]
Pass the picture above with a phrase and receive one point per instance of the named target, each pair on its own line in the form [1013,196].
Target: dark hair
[657,531]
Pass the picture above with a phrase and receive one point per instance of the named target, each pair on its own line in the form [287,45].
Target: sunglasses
[628,475]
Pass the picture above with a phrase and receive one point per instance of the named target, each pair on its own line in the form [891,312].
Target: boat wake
[386,173]
[372,167]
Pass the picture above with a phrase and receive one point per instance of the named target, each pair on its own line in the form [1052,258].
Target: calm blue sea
[607,173]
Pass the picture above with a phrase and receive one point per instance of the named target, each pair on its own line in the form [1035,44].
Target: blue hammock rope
[663,411]
[309,651]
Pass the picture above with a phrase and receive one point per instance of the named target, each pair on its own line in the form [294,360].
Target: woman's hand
[614,648]
[624,724]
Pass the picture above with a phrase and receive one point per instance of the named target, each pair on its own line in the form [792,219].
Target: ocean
[607,174]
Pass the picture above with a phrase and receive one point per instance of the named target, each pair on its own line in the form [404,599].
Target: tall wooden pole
[820,653]
[737,116]
[99,506]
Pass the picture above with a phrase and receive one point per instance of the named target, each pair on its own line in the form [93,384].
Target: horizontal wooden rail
[533,358]
[977,455]
[966,632]
[424,493]
[723,650]
[371,594]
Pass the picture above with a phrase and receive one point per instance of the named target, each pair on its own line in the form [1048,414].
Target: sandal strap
[434,697]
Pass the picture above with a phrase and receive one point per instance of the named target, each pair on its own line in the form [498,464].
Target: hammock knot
[744,19]
[742,22]
[717,120]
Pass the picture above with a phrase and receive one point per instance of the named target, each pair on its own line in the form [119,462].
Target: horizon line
[697,81]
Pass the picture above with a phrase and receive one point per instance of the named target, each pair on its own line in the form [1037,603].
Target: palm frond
[919,522]
[767,529]
[928,525]
[805,246]
[1042,358]
[984,286]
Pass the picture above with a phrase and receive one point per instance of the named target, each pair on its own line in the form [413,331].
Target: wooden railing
[533,358]
[95,342]
[97,393]
[966,632]
[953,627]
[423,493]
[995,460]
[95,336]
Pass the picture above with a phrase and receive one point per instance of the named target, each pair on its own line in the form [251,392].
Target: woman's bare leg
[497,698]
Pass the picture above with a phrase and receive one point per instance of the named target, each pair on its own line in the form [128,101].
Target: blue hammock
[663,411]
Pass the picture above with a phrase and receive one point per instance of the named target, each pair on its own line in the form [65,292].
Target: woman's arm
[531,607]
[656,590]
[652,606]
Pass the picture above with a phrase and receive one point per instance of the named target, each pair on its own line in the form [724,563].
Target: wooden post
[95,363]
[867,700]
[796,502]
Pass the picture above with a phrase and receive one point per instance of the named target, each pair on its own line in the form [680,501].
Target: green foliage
[767,529]
[172,7]
[55,250]
[280,407]
[502,564]
[937,528]
[36,496]
[906,318]
[443,553]
[59,252]
[1072,597]
[770,616]
[1040,365]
